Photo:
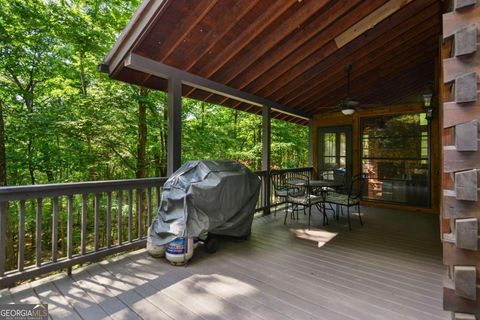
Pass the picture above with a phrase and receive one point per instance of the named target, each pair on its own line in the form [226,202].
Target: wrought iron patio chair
[281,189]
[351,198]
[304,197]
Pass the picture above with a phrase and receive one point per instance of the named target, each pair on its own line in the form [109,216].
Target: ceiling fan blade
[352,103]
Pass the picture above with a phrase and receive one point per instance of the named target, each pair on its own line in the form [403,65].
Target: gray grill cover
[215,196]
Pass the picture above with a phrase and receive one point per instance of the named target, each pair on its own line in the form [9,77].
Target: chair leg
[359,214]
[325,217]
[348,218]
[285,219]
[309,216]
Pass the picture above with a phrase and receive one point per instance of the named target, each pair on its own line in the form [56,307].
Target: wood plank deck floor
[389,269]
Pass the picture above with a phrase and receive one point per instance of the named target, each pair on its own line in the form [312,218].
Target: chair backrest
[278,181]
[339,175]
[327,175]
[357,185]
[298,183]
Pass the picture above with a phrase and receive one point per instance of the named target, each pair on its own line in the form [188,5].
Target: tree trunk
[3,158]
[82,75]
[10,254]
[142,136]
[259,142]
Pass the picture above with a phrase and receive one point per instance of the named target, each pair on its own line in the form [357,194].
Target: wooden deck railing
[74,223]
[58,226]
[267,200]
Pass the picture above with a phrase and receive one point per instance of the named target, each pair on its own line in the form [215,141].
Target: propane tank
[154,250]
[179,251]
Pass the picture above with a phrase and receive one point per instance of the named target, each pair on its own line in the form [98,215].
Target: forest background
[61,120]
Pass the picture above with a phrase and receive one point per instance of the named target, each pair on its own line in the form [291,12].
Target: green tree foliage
[65,121]
[61,120]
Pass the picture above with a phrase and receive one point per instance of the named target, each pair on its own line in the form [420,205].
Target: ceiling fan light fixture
[348,111]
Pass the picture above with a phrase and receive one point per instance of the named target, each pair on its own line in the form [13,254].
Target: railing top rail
[64,189]
[278,171]
[9,193]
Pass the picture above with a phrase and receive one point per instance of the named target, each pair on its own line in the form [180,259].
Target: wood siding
[459,91]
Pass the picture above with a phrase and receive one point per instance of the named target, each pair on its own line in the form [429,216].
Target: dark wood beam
[159,69]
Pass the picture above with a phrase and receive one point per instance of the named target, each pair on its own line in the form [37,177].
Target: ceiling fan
[347,105]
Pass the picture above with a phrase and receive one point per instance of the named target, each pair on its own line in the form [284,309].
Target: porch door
[335,151]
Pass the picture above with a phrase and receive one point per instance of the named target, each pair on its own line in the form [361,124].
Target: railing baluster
[69,230]
[70,227]
[3,236]
[35,195]
[109,218]
[140,212]
[95,221]
[158,196]
[83,230]
[120,216]
[21,236]
[54,229]
[130,214]
[149,206]
[38,237]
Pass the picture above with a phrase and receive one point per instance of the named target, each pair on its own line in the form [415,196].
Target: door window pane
[343,144]
[329,149]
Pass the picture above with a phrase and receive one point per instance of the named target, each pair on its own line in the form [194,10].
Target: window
[395,156]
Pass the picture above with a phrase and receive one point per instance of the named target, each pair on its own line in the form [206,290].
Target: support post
[310,142]
[174,141]
[266,149]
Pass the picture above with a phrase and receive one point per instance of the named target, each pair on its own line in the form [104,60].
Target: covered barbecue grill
[218,197]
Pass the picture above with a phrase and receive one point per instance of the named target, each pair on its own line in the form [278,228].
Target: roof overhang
[286,55]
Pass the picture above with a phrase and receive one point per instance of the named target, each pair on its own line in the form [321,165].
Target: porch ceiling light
[348,111]
[427,106]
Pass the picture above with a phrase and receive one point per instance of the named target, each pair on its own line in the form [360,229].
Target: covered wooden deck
[389,269]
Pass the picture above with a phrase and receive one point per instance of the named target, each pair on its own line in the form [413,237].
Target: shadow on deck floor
[389,269]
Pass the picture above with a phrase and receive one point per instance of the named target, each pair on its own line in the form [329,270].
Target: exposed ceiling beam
[162,70]
[370,21]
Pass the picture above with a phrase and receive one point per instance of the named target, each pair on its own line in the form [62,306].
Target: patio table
[317,187]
